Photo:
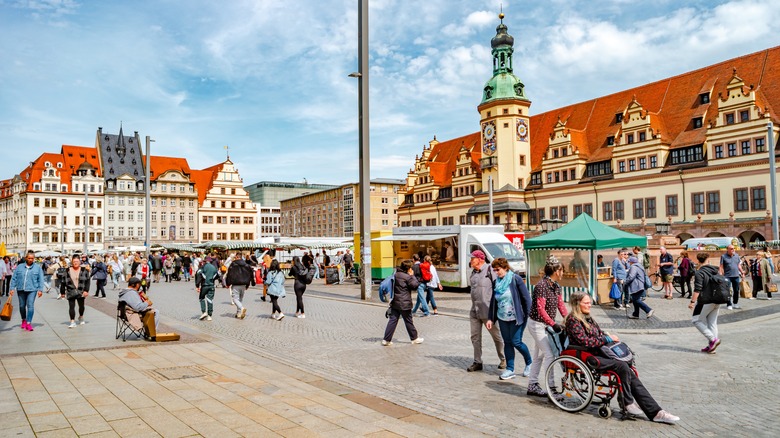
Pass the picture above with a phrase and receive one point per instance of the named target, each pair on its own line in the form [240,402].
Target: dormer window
[555,153]
[642,136]
[564,152]
[610,140]
[744,116]
[618,117]
[630,138]
[697,122]
[704,98]
[730,119]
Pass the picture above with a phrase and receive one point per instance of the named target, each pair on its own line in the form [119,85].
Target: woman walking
[168,269]
[761,272]
[275,282]
[686,273]
[115,270]
[74,286]
[9,271]
[100,272]
[435,283]
[635,287]
[27,281]
[299,272]
[401,306]
[547,302]
[509,307]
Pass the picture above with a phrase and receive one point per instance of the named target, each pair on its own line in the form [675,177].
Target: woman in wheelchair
[583,331]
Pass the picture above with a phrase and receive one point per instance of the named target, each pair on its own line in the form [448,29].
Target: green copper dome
[504,84]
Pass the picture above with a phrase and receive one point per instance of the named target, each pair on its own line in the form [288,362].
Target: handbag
[771,288]
[615,292]
[8,310]
[617,351]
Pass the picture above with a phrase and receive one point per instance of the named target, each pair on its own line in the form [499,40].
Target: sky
[269,78]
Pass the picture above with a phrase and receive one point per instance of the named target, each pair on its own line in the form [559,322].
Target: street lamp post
[364,162]
[86,217]
[147,188]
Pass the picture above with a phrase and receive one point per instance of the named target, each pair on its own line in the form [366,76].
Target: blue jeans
[421,299]
[513,338]
[636,298]
[26,304]
[430,298]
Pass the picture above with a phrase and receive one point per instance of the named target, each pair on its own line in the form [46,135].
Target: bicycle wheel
[569,384]
[658,285]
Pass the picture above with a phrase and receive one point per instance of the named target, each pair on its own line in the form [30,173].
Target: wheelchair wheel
[569,384]
[605,411]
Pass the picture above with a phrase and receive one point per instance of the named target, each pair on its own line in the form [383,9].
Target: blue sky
[269,79]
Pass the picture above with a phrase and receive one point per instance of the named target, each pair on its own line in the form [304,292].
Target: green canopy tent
[582,234]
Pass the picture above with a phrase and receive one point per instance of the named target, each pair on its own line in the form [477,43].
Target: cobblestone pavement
[731,393]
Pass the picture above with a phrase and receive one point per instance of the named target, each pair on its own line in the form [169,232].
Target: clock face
[522,130]
[489,138]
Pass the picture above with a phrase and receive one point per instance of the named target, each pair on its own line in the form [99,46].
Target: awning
[412,237]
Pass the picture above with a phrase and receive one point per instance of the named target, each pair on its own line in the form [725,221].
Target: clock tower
[505,138]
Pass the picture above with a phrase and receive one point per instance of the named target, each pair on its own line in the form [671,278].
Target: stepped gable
[443,157]
[204,180]
[672,104]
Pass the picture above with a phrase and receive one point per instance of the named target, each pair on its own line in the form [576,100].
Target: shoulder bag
[8,310]
[617,351]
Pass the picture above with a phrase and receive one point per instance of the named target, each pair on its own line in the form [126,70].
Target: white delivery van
[450,247]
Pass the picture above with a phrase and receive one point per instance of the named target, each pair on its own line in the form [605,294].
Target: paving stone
[89,424]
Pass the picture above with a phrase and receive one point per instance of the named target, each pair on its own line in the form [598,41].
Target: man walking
[481,282]
[239,277]
[401,305]
[348,262]
[421,288]
[204,284]
[731,269]
[619,274]
[705,313]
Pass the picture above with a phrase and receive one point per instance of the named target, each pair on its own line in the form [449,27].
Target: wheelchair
[572,383]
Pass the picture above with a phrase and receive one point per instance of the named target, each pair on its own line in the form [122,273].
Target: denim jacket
[27,278]
[619,269]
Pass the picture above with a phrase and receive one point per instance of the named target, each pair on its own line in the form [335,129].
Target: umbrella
[47,254]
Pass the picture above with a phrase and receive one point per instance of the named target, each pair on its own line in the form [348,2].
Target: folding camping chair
[128,325]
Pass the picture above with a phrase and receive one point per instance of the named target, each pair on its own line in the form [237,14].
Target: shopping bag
[8,310]
[745,290]
[771,288]
[615,293]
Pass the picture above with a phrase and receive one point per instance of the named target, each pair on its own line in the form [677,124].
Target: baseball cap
[633,259]
[478,254]
[133,281]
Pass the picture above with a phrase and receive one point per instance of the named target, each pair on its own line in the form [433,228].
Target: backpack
[386,288]
[425,271]
[717,290]
[646,260]
[310,275]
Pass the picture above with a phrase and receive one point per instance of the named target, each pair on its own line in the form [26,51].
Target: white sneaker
[418,341]
[202,317]
[634,409]
[281,316]
[730,307]
[208,318]
[387,343]
[81,321]
[665,417]
[72,324]
[302,315]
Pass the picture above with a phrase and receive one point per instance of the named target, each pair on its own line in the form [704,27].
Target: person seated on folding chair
[138,303]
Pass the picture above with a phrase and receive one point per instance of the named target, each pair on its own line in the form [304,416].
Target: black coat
[71,290]
[239,274]
[405,285]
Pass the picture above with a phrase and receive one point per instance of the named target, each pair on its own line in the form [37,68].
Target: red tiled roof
[160,165]
[672,103]
[204,180]
[443,157]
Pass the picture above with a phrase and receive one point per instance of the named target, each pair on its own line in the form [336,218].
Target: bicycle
[658,284]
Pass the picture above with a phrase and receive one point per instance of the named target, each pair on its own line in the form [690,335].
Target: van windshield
[506,250]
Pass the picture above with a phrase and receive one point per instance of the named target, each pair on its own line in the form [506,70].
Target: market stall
[576,246]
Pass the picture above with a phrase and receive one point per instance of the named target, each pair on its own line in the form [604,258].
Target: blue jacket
[635,279]
[28,279]
[521,300]
[619,269]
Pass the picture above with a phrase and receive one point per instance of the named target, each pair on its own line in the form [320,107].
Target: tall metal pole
[86,217]
[364,162]
[62,227]
[490,200]
[148,204]
[772,177]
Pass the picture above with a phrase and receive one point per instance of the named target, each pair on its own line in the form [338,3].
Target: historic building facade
[225,211]
[174,201]
[690,151]
[335,212]
[123,162]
